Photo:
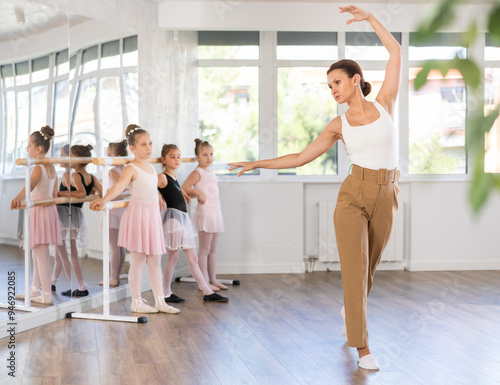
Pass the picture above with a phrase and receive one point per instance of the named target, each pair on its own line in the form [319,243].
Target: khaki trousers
[363,219]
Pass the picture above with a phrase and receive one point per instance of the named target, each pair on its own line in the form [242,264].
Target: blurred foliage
[477,123]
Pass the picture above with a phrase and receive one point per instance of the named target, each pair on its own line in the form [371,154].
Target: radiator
[327,243]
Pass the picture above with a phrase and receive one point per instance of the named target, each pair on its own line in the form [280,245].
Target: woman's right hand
[245,166]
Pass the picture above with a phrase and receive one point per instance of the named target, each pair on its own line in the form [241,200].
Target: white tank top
[45,187]
[373,145]
[145,186]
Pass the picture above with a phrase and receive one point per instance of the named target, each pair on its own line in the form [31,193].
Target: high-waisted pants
[363,219]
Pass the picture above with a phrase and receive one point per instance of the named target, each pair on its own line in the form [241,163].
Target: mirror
[92,89]
[104,100]
[33,45]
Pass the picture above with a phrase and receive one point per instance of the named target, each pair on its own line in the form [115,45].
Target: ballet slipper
[34,293]
[45,298]
[162,306]
[368,362]
[139,306]
[214,288]
[219,285]
[344,327]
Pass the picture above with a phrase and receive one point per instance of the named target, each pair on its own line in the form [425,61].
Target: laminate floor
[425,328]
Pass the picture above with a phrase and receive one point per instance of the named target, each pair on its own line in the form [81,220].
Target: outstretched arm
[126,177]
[390,87]
[328,137]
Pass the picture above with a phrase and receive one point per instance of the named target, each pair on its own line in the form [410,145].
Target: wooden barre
[66,159]
[114,161]
[61,200]
[115,205]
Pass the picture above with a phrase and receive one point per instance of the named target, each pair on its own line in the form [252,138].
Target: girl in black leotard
[85,184]
[178,229]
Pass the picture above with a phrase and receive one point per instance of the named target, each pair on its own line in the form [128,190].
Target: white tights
[206,254]
[63,261]
[41,268]
[117,254]
[192,258]
[137,262]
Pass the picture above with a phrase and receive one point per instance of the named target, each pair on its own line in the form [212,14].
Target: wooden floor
[425,328]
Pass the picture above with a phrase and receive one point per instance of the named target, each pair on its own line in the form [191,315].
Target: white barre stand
[106,316]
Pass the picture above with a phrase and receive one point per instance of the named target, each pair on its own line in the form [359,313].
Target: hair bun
[47,132]
[366,88]
[89,146]
[124,142]
[197,140]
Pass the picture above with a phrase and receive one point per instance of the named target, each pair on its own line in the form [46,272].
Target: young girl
[44,221]
[82,184]
[208,216]
[117,253]
[140,227]
[178,228]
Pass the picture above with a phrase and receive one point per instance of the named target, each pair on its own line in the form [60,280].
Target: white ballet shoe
[139,306]
[368,362]
[45,298]
[34,293]
[344,328]
[163,307]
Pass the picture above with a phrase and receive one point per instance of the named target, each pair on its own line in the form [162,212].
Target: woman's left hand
[358,13]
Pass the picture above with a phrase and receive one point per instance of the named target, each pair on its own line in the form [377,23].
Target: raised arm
[328,137]
[390,86]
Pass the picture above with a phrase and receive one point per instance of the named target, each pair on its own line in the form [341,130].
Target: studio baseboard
[448,265]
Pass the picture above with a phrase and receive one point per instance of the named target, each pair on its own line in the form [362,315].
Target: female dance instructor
[367,200]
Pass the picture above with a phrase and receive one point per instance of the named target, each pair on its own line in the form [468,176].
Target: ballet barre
[64,200]
[66,159]
[115,161]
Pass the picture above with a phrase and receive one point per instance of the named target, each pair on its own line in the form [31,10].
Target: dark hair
[82,151]
[167,148]
[132,131]
[65,148]
[351,68]
[200,144]
[43,137]
[119,148]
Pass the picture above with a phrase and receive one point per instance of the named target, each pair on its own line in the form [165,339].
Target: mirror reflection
[34,94]
[88,94]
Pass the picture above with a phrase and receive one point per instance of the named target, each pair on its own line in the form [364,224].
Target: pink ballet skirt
[45,228]
[141,228]
[208,219]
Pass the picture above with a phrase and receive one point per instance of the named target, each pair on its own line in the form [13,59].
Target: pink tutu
[141,228]
[208,219]
[45,228]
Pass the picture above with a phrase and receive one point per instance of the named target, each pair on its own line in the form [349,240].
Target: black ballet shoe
[76,293]
[53,287]
[214,297]
[172,298]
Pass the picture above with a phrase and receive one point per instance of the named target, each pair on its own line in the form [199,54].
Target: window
[307,45]
[89,60]
[437,111]
[228,95]
[111,115]
[492,101]
[40,69]
[229,113]
[304,109]
[366,46]
[228,45]
[110,54]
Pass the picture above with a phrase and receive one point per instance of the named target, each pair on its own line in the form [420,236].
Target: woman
[367,200]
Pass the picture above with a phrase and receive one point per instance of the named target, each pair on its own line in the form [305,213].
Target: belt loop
[362,176]
[350,169]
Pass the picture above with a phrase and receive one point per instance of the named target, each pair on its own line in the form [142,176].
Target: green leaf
[469,70]
[421,77]
[478,124]
[471,35]
[481,186]
[441,17]
[494,23]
